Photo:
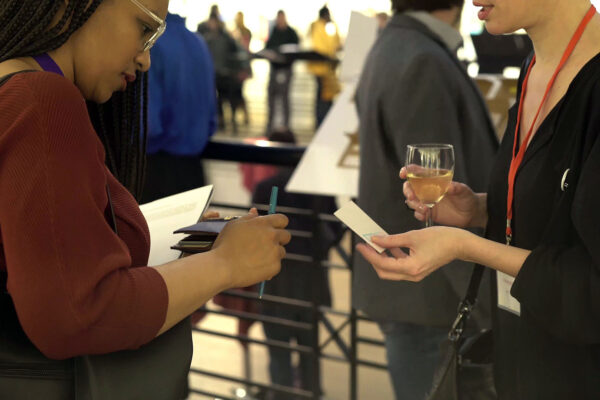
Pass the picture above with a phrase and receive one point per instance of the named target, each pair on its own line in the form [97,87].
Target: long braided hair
[121,122]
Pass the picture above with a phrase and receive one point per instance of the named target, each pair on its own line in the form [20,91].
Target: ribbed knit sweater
[78,287]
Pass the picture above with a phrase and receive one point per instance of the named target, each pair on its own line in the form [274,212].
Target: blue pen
[272,206]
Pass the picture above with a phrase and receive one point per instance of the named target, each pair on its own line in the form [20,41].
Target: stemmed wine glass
[430,168]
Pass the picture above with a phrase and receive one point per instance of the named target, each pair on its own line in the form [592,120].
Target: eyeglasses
[162,26]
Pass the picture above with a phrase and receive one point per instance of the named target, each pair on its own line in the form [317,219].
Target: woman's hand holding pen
[251,247]
[460,207]
[248,250]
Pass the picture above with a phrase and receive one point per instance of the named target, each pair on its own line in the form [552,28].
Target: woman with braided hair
[74,245]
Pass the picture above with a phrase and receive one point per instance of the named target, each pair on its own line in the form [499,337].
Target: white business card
[360,223]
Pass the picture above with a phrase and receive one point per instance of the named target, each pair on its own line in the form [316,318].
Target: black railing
[286,155]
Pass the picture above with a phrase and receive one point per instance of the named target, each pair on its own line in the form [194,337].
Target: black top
[552,351]
[278,38]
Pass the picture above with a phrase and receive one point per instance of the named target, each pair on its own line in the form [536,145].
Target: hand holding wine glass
[430,168]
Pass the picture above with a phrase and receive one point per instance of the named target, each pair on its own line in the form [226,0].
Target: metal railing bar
[270,343]
[372,364]
[269,298]
[212,395]
[273,386]
[260,318]
[273,154]
[330,265]
[343,255]
[370,341]
[334,358]
[335,336]
[332,311]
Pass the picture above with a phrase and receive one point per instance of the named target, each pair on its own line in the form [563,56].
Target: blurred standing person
[297,280]
[241,33]
[243,36]
[214,12]
[325,40]
[224,51]
[182,111]
[281,73]
[414,90]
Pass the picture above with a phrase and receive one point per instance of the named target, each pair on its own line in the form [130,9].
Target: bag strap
[466,305]
[5,78]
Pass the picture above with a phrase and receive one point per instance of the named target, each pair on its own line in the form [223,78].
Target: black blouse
[552,350]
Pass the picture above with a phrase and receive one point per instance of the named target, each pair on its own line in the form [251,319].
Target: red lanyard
[518,158]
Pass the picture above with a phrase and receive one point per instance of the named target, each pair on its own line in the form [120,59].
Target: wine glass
[430,168]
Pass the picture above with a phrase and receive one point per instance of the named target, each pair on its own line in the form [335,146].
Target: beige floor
[222,355]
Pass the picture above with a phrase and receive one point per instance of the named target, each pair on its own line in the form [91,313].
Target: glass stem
[429,219]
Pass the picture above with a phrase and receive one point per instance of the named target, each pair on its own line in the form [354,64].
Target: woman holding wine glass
[541,210]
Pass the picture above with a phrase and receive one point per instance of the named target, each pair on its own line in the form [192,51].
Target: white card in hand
[357,220]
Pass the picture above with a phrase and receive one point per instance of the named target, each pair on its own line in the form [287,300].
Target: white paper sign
[322,170]
[164,216]
[360,223]
[362,33]
[505,299]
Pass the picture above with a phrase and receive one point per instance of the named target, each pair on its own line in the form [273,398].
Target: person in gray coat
[413,90]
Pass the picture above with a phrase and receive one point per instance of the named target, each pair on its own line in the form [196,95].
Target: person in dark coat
[414,90]
[225,52]
[281,74]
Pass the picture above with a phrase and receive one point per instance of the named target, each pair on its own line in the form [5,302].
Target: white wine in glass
[430,168]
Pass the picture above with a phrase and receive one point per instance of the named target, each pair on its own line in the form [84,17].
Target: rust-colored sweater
[78,288]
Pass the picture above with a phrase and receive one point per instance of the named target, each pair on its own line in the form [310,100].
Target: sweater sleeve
[69,274]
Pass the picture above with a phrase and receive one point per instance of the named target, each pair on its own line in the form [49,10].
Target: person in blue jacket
[182,111]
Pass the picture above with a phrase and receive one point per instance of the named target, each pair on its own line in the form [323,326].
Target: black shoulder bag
[465,371]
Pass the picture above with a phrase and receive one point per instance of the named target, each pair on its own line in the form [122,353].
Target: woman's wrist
[465,241]
[223,273]
[498,256]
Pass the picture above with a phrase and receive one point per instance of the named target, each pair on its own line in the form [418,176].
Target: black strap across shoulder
[5,78]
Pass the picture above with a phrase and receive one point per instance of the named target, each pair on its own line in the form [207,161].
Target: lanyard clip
[508,232]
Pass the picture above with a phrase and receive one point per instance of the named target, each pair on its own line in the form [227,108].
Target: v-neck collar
[544,132]
[539,140]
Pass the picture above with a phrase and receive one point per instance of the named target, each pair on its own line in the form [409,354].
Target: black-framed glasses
[162,26]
